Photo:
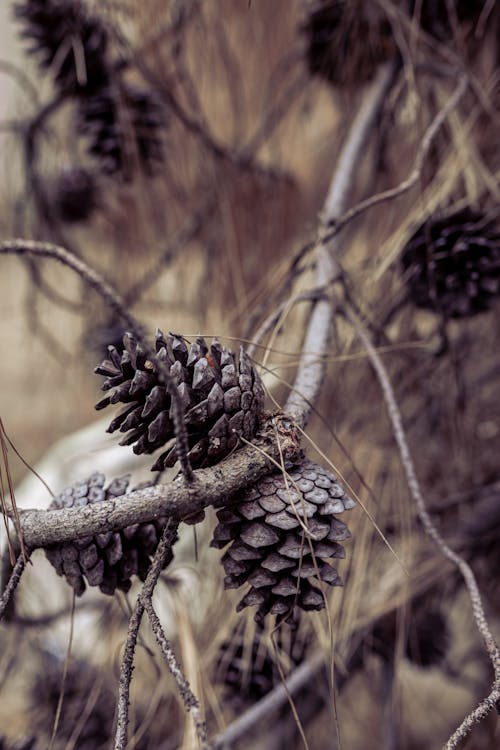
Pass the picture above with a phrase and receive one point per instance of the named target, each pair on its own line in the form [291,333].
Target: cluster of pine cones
[122,123]
[281,533]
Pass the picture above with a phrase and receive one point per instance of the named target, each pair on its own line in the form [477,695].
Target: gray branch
[176,500]
[312,366]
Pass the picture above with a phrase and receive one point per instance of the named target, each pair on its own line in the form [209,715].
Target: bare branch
[490,703]
[161,558]
[312,366]
[415,174]
[271,702]
[190,700]
[11,586]
[211,486]
[413,484]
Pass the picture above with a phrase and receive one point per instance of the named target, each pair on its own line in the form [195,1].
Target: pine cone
[247,664]
[74,194]
[107,560]
[60,32]
[123,126]
[347,39]
[452,265]
[222,398]
[269,548]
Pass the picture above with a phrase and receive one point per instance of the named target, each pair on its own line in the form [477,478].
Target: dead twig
[466,571]
[11,586]
[161,558]
[189,699]
[336,223]
[311,370]
[414,176]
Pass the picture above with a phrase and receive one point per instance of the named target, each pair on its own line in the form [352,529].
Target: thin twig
[160,560]
[32,249]
[413,484]
[310,296]
[336,224]
[11,586]
[187,695]
[414,176]
[311,370]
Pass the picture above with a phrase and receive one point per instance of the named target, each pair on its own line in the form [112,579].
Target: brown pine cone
[452,265]
[222,397]
[281,538]
[107,560]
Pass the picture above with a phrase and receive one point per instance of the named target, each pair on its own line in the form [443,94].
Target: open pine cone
[452,265]
[281,538]
[107,560]
[222,397]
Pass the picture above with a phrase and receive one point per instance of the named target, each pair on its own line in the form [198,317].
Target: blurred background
[184,149]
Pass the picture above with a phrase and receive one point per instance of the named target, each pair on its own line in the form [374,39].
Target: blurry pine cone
[66,40]
[74,194]
[452,265]
[346,40]
[123,126]
[426,640]
[222,397]
[247,661]
[269,548]
[107,560]
[81,678]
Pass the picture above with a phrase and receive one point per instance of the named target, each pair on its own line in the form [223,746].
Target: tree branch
[176,500]
[187,695]
[11,586]
[413,484]
[430,134]
[311,370]
[161,558]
